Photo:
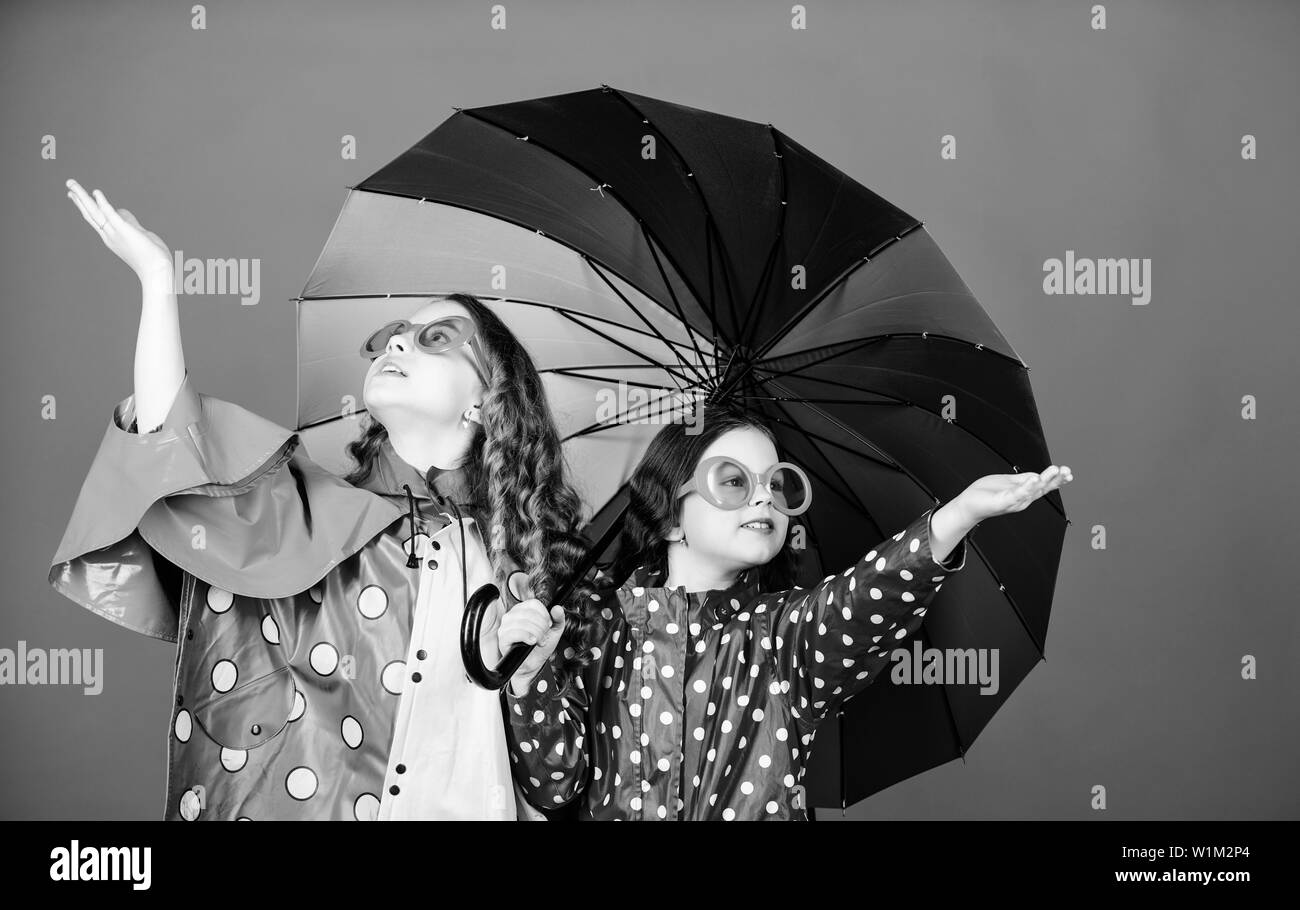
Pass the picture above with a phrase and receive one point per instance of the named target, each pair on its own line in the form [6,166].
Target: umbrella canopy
[650,255]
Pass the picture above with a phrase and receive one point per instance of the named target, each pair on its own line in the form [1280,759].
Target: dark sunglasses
[436,337]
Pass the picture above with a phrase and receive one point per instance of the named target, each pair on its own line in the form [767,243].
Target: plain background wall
[1116,143]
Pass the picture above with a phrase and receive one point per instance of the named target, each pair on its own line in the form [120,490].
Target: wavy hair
[653,506]
[516,472]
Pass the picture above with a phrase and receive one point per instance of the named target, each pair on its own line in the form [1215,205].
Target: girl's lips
[761,525]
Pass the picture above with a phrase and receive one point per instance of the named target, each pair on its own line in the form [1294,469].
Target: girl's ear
[474,413]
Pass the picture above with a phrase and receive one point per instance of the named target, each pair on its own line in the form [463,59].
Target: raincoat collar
[724,602]
[391,474]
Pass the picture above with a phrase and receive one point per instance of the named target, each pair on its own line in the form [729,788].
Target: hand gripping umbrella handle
[471,624]
[471,629]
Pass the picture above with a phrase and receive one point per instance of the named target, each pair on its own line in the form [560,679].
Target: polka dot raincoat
[318,673]
[705,706]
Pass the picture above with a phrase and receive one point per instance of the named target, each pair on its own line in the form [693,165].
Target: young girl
[708,680]
[318,674]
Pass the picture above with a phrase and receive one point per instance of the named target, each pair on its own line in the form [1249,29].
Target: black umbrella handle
[471,629]
[471,624]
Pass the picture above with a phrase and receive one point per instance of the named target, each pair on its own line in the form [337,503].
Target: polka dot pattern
[288,707]
[756,673]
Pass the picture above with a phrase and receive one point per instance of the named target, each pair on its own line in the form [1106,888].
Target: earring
[471,413]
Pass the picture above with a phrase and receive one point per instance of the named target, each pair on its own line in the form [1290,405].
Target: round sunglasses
[728,484]
[435,337]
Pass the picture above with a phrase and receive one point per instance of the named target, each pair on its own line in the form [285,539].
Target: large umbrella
[650,254]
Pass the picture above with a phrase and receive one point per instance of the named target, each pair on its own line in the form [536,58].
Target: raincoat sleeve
[547,731]
[215,491]
[832,640]
[546,736]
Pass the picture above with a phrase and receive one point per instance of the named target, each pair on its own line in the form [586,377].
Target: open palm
[141,249]
[1002,494]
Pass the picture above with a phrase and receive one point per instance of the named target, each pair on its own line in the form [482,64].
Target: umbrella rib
[646,357]
[655,333]
[614,421]
[604,366]
[518,300]
[855,500]
[893,400]
[863,340]
[851,432]
[825,292]
[751,314]
[672,295]
[569,371]
[680,359]
[1001,587]
[839,445]
[610,191]
[712,228]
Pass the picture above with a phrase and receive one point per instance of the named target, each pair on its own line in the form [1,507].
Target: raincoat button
[433,564]
[436,545]
[416,677]
[394,789]
[256,729]
[421,654]
[401,769]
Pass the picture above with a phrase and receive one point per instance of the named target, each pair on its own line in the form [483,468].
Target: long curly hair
[653,506]
[516,472]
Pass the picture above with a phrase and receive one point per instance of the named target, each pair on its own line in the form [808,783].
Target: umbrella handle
[471,624]
[471,628]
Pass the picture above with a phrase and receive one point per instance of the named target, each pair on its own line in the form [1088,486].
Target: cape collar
[725,602]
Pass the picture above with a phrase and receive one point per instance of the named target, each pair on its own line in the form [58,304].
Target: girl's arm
[547,736]
[833,640]
[159,359]
[546,731]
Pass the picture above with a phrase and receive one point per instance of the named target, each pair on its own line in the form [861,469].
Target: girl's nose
[397,343]
[761,494]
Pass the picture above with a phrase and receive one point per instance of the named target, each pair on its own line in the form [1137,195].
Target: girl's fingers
[523,628]
[109,212]
[89,219]
[77,190]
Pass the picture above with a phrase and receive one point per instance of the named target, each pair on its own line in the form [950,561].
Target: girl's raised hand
[143,250]
[1002,494]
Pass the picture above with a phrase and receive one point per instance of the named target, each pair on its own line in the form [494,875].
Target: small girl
[708,679]
[318,673]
